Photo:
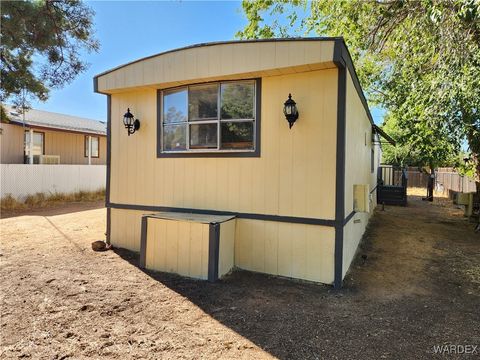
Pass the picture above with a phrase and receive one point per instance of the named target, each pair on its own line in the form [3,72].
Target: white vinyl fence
[20,180]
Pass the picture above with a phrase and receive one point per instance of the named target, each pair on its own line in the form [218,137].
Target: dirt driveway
[415,284]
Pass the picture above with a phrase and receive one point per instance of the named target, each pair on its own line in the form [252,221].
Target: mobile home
[205,173]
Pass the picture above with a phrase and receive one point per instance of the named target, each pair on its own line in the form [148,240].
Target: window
[38,143]
[95,146]
[209,118]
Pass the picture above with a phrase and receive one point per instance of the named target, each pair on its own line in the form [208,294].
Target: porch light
[131,124]
[290,110]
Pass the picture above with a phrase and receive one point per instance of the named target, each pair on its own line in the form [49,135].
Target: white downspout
[89,150]
[30,146]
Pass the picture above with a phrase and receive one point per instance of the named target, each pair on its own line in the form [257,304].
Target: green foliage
[3,115]
[426,146]
[237,101]
[420,60]
[40,46]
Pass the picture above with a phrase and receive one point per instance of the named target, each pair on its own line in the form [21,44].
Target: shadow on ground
[411,288]
[57,209]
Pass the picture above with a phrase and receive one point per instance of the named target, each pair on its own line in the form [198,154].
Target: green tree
[425,146]
[41,45]
[420,60]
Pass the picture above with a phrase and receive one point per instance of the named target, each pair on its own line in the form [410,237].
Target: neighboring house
[50,138]
[214,178]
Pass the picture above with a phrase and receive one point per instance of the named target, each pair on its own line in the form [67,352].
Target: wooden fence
[446,180]
[452,181]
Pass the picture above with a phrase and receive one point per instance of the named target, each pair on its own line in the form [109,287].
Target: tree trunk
[474,144]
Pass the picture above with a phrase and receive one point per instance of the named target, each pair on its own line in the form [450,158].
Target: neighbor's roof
[220,60]
[51,120]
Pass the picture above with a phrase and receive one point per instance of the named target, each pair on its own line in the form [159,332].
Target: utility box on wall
[361,198]
[193,245]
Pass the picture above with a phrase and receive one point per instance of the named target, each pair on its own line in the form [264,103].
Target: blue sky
[128,30]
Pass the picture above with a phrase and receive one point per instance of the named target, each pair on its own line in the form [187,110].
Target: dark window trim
[85,146]
[213,153]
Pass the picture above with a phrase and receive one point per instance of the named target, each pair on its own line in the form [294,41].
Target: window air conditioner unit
[49,159]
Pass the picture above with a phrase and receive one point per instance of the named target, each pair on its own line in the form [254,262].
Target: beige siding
[285,249]
[126,228]
[11,144]
[357,169]
[226,259]
[295,176]
[71,148]
[179,247]
[221,61]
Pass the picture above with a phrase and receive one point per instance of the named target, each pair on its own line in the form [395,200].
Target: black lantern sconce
[131,124]
[290,110]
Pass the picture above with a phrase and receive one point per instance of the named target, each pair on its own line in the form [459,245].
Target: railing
[391,185]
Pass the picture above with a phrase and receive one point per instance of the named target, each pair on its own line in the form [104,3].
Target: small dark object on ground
[100,246]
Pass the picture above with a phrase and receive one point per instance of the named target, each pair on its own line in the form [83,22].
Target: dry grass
[40,200]
[416,191]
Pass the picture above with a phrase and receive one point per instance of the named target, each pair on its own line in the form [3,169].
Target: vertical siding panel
[202,62]
[281,54]
[238,57]
[285,249]
[221,201]
[159,185]
[210,181]
[178,185]
[271,247]
[168,179]
[313,187]
[299,250]
[233,193]
[158,68]
[285,198]
[149,152]
[190,68]
[327,244]
[189,183]
[257,204]
[314,239]
[122,235]
[199,184]
[158,246]
[172,245]
[245,186]
[183,257]
[162,244]
[123,177]
[226,56]
[150,248]
[243,244]
[257,250]
[196,236]
[271,122]
[205,249]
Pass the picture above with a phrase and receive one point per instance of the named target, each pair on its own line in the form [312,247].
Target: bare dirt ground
[415,284]
[54,209]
